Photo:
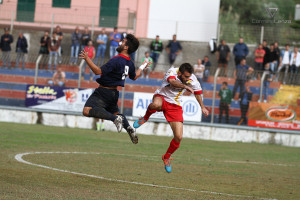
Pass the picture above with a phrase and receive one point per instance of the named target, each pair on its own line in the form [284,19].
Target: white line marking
[19,158]
[258,163]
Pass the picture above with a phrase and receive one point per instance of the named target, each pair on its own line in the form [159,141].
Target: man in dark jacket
[246,98]
[6,40]
[240,50]
[173,49]
[225,101]
[21,49]
[156,47]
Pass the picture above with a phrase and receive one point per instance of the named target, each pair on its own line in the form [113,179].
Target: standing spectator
[114,38]
[199,71]
[268,79]
[91,53]
[267,53]
[5,42]
[148,59]
[295,64]
[223,53]
[246,97]
[102,41]
[85,38]
[259,60]
[44,47]
[207,66]
[156,47]
[59,36]
[173,49]
[240,51]
[225,101]
[273,58]
[76,35]
[58,78]
[53,48]
[277,50]
[241,74]
[285,57]
[21,49]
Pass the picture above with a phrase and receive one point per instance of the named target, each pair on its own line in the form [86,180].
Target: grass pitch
[234,170]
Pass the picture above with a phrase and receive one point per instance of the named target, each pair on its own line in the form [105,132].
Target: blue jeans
[51,54]
[206,74]
[6,58]
[266,89]
[273,66]
[155,57]
[60,83]
[294,74]
[100,52]
[20,55]
[74,50]
[113,51]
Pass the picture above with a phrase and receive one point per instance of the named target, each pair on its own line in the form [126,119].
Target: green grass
[198,164]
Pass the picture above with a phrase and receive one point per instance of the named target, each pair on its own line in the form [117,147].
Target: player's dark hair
[186,67]
[132,43]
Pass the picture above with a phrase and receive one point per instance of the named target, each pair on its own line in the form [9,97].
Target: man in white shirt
[295,65]
[284,61]
[168,98]
[199,70]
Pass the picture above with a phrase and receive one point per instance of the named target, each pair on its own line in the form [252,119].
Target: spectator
[173,49]
[58,78]
[223,53]
[53,48]
[156,47]
[285,57]
[259,59]
[6,40]
[225,102]
[59,36]
[246,97]
[199,70]
[277,50]
[207,65]
[273,58]
[114,38]
[44,47]
[102,41]
[147,71]
[268,79]
[76,35]
[241,74]
[91,53]
[295,64]
[85,37]
[267,53]
[21,49]
[240,51]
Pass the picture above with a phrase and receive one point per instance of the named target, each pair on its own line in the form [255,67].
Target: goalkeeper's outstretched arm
[84,55]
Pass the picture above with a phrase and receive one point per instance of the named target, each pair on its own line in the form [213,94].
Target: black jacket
[5,45]
[249,96]
[23,44]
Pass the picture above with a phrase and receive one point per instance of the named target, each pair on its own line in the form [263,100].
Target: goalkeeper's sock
[102,114]
[125,121]
[172,148]
[149,112]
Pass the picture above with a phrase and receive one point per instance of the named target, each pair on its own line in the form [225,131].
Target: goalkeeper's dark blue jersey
[116,70]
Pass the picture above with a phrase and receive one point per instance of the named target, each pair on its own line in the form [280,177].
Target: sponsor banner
[274,116]
[190,106]
[56,98]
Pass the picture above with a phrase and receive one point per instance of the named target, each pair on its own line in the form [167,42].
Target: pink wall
[6,8]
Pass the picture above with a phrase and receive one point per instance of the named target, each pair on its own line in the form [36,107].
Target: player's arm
[199,99]
[94,68]
[177,84]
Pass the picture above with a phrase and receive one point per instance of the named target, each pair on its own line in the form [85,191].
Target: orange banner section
[274,116]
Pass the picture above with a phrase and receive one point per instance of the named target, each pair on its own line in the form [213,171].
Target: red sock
[172,148]
[149,112]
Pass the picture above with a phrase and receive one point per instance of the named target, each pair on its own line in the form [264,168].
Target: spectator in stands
[259,60]
[91,53]
[277,50]
[102,41]
[268,79]
[199,70]
[241,74]
[59,36]
[44,48]
[173,49]
[21,49]
[273,58]
[147,71]
[207,65]
[53,48]
[225,101]
[85,37]
[5,42]
[245,99]
[58,78]
[285,57]
[240,51]
[114,38]
[295,65]
[267,53]
[76,36]
[223,53]
[156,47]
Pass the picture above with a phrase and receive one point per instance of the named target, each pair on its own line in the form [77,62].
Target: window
[61,3]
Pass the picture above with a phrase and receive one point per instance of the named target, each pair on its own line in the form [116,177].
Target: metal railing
[214,95]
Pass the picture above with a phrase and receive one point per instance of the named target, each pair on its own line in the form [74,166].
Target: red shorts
[172,112]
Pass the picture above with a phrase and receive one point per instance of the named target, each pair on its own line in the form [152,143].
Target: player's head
[185,72]
[130,44]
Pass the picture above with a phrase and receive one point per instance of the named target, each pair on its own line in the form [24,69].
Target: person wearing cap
[156,47]
[114,38]
[6,40]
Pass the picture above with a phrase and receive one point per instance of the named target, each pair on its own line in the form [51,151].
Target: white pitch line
[258,163]
[19,158]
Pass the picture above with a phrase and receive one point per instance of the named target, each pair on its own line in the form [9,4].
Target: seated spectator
[268,79]
[199,70]
[173,49]
[223,53]
[91,53]
[259,59]
[147,71]
[225,102]
[284,63]
[101,40]
[58,78]
[207,65]
[295,65]
[273,58]
[245,99]
[53,48]
[76,36]
[21,49]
